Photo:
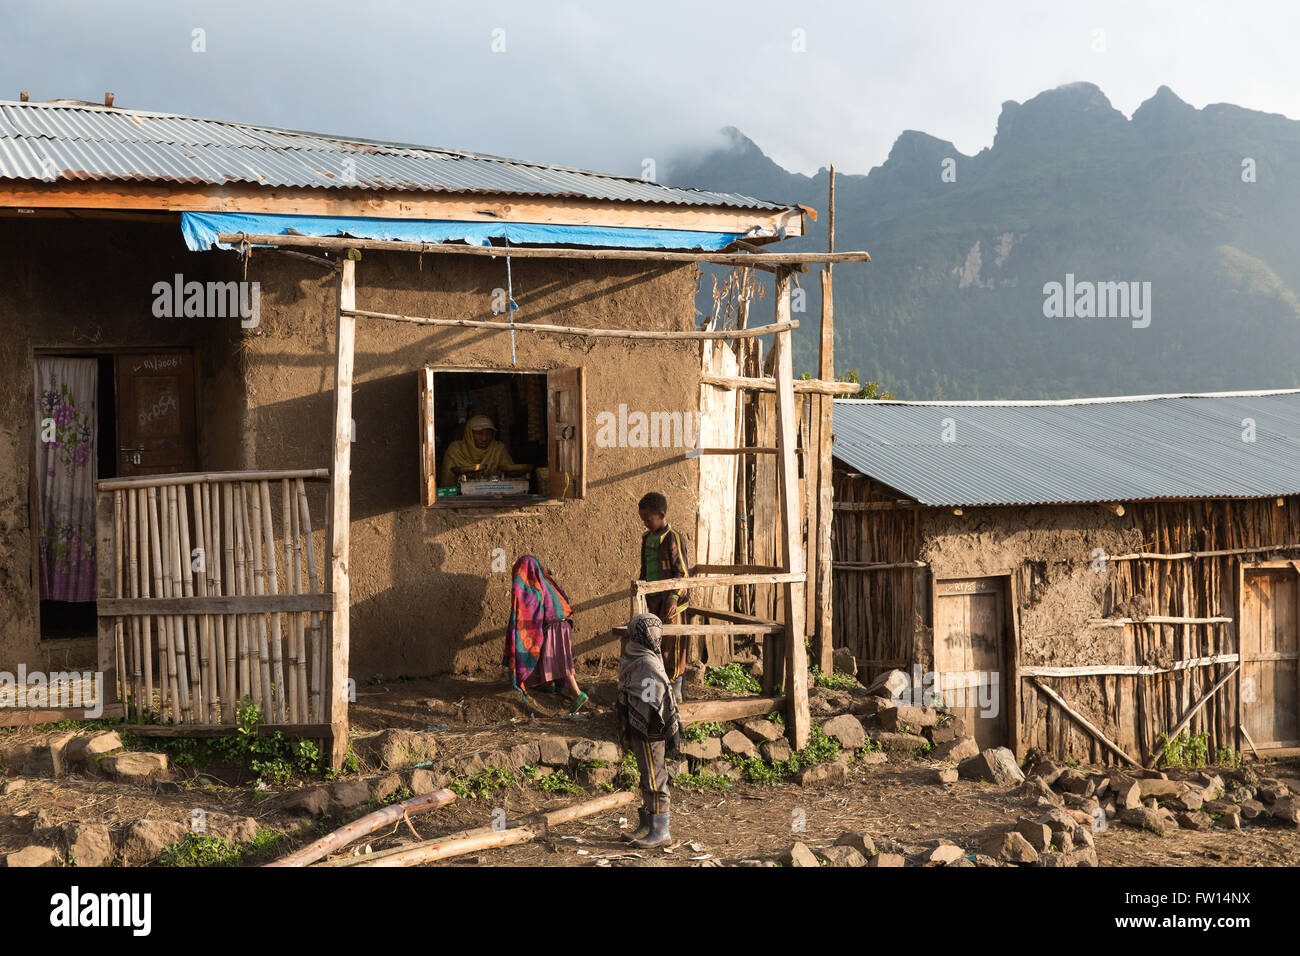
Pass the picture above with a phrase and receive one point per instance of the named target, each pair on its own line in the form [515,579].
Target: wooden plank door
[566,403]
[1269,657]
[970,638]
[155,413]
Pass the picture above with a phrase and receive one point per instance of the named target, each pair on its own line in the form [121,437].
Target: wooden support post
[341,517]
[825,490]
[106,572]
[796,656]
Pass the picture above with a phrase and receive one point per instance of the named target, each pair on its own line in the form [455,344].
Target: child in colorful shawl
[539,636]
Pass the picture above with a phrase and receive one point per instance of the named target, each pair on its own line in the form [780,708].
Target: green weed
[733,678]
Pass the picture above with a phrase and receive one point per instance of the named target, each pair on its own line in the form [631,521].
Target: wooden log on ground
[367,824]
[706,711]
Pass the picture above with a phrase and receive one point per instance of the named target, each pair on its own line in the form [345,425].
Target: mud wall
[88,284]
[430,587]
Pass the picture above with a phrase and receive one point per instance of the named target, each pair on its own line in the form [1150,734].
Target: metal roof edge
[1070,401]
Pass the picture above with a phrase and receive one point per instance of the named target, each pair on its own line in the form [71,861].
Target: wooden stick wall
[217,536]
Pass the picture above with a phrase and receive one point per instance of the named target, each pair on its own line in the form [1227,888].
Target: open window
[531,445]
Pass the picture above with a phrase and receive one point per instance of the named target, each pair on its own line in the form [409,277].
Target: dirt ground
[894,802]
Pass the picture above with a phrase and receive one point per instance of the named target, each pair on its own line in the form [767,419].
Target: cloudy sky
[604,85]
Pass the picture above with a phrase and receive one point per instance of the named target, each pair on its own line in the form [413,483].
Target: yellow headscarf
[466,454]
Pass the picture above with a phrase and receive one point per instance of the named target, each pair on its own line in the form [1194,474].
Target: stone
[887,859]
[842,855]
[843,661]
[239,829]
[776,751]
[943,775]
[553,751]
[1211,785]
[1250,809]
[759,730]
[722,768]
[823,773]
[1071,781]
[940,735]
[86,749]
[710,748]
[13,786]
[997,764]
[347,794]
[422,781]
[1063,840]
[983,859]
[800,855]
[394,749]
[890,684]
[134,767]
[897,742]
[1270,791]
[32,856]
[872,757]
[471,764]
[860,840]
[45,758]
[1048,771]
[602,750]
[907,719]
[1054,858]
[1190,800]
[1143,818]
[88,844]
[1082,837]
[1087,856]
[675,768]
[1161,788]
[1231,820]
[1287,809]
[595,776]
[1195,820]
[734,742]
[144,840]
[945,853]
[870,705]
[956,750]
[847,729]
[312,800]
[527,754]
[1128,793]
[1009,847]
[385,786]
[1220,806]
[1037,835]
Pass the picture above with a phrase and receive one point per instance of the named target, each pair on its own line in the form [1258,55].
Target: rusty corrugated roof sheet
[1217,445]
[68,140]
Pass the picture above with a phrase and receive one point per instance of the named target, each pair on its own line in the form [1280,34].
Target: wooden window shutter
[566,408]
[428,463]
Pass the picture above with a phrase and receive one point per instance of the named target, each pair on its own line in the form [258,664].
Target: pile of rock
[67,752]
[1156,801]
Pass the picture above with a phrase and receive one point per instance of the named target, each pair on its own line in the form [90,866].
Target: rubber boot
[658,834]
[643,827]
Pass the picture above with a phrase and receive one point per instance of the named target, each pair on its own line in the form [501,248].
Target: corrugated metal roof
[74,141]
[1085,450]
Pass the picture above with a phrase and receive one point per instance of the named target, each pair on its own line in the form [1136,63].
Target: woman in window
[477,449]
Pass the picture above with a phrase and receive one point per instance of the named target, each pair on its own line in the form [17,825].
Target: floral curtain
[66,466]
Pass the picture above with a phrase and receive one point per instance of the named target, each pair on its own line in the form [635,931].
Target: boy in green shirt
[663,556]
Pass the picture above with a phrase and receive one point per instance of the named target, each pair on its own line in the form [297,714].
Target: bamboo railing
[214,595]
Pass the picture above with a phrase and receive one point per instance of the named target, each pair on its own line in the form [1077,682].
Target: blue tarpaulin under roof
[202,228]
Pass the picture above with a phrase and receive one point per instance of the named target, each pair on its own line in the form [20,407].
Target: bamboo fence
[218,596]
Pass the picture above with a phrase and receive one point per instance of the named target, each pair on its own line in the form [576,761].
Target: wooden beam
[735,569]
[1155,619]
[802,386]
[341,516]
[216,604]
[385,204]
[1191,712]
[307,731]
[209,477]
[706,711]
[798,720]
[643,588]
[737,451]
[738,259]
[574,329]
[1085,723]
[688,629]
[875,565]
[1126,670]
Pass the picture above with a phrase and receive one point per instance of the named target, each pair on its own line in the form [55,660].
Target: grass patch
[397,796]
[558,782]
[833,681]
[199,850]
[732,678]
[270,758]
[482,784]
[1185,750]
[820,748]
[702,731]
[702,781]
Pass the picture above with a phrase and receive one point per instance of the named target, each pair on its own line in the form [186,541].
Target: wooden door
[1269,656]
[155,413]
[566,403]
[970,638]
